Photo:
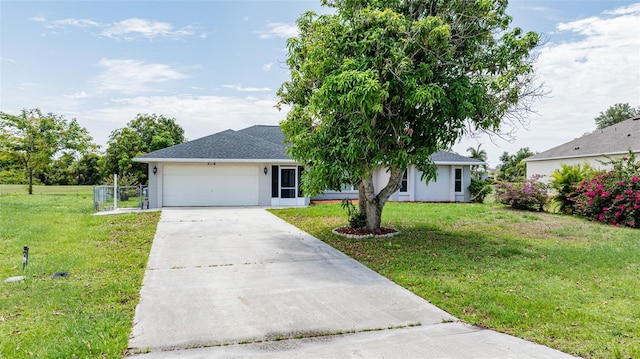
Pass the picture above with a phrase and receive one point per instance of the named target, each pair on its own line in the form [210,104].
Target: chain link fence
[131,197]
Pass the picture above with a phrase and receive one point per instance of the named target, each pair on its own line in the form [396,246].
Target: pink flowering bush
[612,197]
[531,194]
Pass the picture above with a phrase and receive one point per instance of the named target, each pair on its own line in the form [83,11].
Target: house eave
[454,163]
[579,156]
[219,160]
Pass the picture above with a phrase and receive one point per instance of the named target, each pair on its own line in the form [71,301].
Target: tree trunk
[30,180]
[374,216]
[372,203]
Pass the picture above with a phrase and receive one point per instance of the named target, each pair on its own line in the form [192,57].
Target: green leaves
[145,133]
[33,139]
[387,83]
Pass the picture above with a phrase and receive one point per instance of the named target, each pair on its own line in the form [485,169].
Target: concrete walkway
[241,283]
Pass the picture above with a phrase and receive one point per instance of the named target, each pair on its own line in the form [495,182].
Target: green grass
[555,280]
[90,313]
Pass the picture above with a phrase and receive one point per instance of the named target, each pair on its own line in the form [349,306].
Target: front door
[288,186]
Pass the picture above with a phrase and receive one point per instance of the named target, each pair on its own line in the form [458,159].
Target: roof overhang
[580,156]
[219,160]
[454,163]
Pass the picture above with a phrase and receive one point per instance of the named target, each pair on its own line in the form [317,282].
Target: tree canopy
[35,140]
[144,134]
[480,155]
[512,167]
[614,114]
[386,83]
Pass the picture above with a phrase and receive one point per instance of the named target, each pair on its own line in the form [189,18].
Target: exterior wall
[547,167]
[154,180]
[264,184]
[335,195]
[439,190]
[465,196]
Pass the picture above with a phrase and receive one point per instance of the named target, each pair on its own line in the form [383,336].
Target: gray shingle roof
[253,143]
[614,139]
[443,157]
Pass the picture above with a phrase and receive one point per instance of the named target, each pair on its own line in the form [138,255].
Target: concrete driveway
[241,283]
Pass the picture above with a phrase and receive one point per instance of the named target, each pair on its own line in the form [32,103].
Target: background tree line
[39,148]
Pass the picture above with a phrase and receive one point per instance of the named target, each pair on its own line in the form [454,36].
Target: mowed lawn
[89,314]
[556,280]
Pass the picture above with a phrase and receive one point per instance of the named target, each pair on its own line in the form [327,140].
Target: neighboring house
[250,167]
[613,141]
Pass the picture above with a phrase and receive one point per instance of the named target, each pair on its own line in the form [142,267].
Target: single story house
[250,167]
[613,141]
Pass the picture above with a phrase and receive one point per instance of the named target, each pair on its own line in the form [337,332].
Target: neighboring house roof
[450,158]
[251,144]
[615,139]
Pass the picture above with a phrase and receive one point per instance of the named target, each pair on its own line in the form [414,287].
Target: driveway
[242,283]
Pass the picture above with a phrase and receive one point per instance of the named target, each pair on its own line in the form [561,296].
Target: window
[458,180]
[404,184]
[288,185]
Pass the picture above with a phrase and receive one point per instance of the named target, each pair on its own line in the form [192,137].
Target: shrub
[612,197]
[479,189]
[564,182]
[530,194]
[356,219]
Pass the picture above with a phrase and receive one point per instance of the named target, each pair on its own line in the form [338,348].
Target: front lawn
[89,314]
[556,280]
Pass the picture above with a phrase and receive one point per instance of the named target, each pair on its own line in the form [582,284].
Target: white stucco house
[250,167]
[613,141]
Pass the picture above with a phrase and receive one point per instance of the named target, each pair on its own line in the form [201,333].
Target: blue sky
[215,65]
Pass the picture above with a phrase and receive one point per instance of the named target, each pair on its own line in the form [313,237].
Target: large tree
[386,83]
[614,114]
[145,133]
[34,139]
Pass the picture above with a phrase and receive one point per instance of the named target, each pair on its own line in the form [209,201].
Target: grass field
[555,280]
[90,313]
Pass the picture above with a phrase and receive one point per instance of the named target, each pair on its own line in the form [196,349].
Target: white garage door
[210,185]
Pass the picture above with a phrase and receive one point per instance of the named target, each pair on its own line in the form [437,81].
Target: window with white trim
[458,180]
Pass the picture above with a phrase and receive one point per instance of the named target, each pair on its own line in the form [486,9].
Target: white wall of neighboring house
[546,167]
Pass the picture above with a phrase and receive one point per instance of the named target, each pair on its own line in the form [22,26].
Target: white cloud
[77,95]
[133,28]
[267,67]
[198,115]
[589,65]
[133,76]
[6,59]
[80,23]
[278,29]
[128,29]
[247,89]
[624,10]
